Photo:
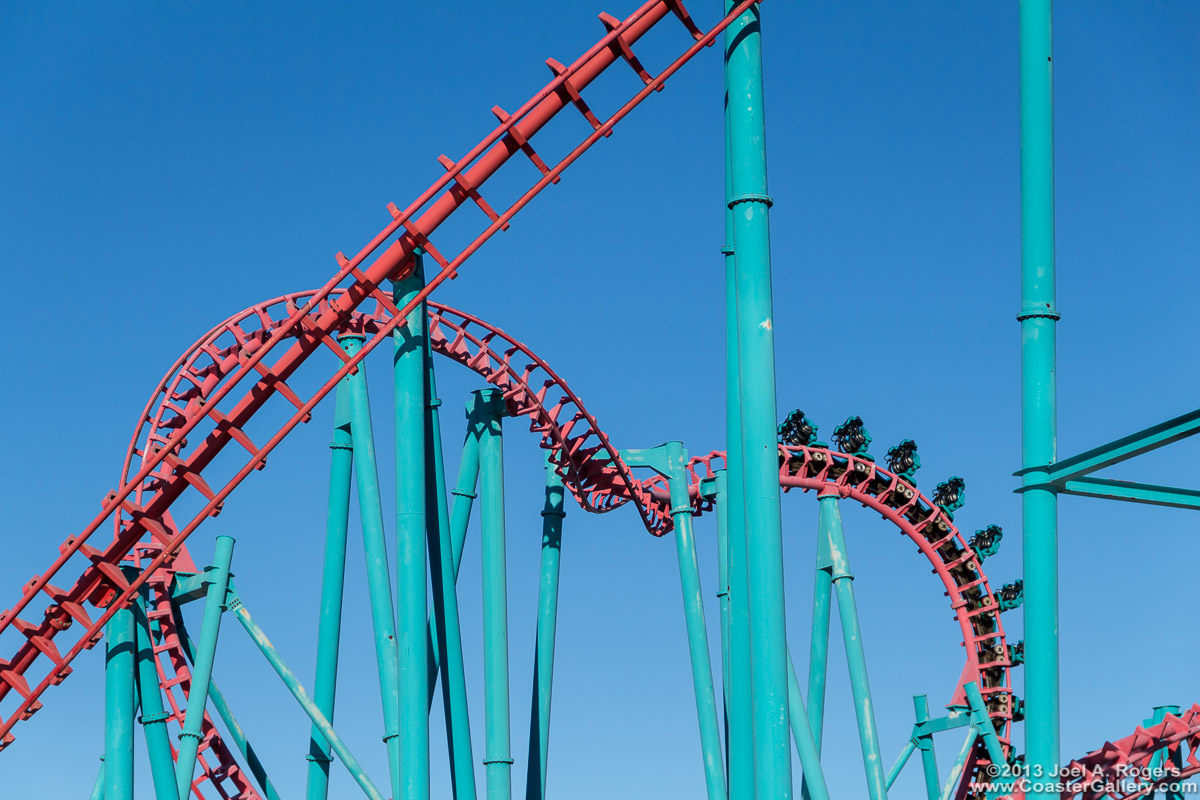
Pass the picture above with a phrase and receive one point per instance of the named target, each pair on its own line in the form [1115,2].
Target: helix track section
[259,375]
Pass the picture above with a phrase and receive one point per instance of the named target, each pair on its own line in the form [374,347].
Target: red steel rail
[102,582]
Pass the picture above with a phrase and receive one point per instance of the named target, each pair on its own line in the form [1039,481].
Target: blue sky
[166,165]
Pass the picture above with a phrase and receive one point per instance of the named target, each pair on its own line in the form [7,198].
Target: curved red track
[593,471]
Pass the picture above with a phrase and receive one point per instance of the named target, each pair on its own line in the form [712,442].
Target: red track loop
[594,472]
[214,415]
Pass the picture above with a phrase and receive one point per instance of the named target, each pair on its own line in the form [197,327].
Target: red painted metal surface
[98,579]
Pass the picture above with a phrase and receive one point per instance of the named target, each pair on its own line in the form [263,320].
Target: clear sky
[164,165]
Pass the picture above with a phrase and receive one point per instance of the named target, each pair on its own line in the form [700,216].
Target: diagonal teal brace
[670,461]
[1146,493]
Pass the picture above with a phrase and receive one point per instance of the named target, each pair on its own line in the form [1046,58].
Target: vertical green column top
[119,706]
[1038,317]
[486,411]
[411,408]
[750,203]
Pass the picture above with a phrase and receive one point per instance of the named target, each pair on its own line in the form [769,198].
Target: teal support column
[446,633]
[119,705]
[553,513]
[818,649]
[670,461]
[806,746]
[830,524]
[217,580]
[379,579]
[756,382]
[98,786]
[956,770]
[909,748]
[464,495]
[302,697]
[411,410]
[721,502]
[333,581]
[1038,319]
[933,788]
[236,734]
[154,717]
[486,410]
[1163,762]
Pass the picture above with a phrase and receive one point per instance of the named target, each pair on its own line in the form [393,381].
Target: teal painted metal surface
[818,649]
[806,746]
[756,383]
[830,524]
[1038,319]
[379,579]
[225,712]
[670,461]
[411,409]
[553,512]
[445,634]
[1126,447]
[119,705]
[217,578]
[487,410]
[983,724]
[1147,493]
[1159,761]
[333,581]
[909,748]
[153,717]
[933,787]
[740,722]
[98,786]
[302,697]
[720,490]
[956,769]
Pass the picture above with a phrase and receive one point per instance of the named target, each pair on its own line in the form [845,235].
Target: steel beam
[1126,447]
[411,410]
[756,383]
[217,578]
[302,697]
[379,579]
[119,705]
[553,513]
[333,580]
[487,409]
[1148,493]
[1038,318]
[445,632]
[154,717]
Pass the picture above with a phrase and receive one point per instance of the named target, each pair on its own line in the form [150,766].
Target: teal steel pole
[909,748]
[721,502]
[933,789]
[119,705]
[297,689]
[234,728]
[1038,319]
[333,581]
[806,746]
[553,513]
[379,579]
[818,650]
[98,786]
[830,524]
[960,763]
[154,717]
[487,409]
[756,382]
[446,633]
[411,408]
[206,650]
[739,737]
[693,612]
